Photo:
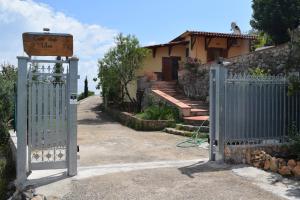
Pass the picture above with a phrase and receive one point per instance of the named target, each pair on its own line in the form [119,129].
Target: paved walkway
[119,163]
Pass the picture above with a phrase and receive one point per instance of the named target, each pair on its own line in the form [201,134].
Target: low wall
[131,121]
[196,85]
[241,154]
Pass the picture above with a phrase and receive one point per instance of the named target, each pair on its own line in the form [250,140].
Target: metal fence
[247,109]
[258,108]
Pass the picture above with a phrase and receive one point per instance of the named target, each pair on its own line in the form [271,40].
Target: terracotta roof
[168,44]
[214,34]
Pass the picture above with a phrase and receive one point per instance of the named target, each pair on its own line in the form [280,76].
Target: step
[191,128]
[196,120]
[198,112]
[184,133]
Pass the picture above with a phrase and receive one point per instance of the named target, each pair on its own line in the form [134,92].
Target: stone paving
[119,163]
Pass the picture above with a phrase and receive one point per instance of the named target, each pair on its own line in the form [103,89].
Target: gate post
[72,117]
[21,127]
[218,75]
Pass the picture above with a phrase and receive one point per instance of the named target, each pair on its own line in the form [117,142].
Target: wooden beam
[153,52]
[193,41]
[170,50]
[207,42]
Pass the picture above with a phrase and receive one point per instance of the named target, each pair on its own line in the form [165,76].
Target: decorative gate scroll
[46,115]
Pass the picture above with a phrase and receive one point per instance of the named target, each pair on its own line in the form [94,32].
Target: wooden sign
[48,44]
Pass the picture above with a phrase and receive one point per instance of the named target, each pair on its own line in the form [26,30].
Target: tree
[118,67]
[86,88]
[8,78]
[276,18]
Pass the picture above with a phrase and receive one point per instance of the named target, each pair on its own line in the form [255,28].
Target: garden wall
[241,154]
[196,84]
[131,121]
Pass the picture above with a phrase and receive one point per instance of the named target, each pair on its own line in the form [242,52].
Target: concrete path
[119,163]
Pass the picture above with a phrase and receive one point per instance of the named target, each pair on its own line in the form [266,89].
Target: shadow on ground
[201,167]
[293,184]
[101,117]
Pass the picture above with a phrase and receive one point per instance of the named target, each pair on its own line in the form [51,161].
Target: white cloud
[90,40]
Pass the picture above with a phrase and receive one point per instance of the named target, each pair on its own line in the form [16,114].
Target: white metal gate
[46,115]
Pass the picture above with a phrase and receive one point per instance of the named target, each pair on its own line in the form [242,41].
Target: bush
[160,112]
[82,95]
[294,137]
[7,171]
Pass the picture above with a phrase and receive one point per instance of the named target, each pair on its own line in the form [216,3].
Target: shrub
[82,95]
[160,112]
[294,137]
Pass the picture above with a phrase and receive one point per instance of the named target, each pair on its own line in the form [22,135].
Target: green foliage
[160,112]
[86,88]
[275,18]
[259,72]
[262,39]
[58,69]
[294,85]
[83,95]
[118,68]
[8,77]
[294,137]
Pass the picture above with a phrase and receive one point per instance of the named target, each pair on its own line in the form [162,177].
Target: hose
[194,140]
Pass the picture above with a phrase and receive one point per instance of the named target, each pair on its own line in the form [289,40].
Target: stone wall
[273,59]
[196,84]
[241,154]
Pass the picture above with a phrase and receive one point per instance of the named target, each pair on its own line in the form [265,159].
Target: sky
[95,23]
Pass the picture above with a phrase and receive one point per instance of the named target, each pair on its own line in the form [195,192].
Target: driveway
[117,162]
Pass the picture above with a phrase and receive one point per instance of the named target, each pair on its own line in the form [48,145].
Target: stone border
[136,123]
[13,144]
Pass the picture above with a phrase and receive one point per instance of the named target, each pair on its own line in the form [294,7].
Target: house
[163,63]
[205,46]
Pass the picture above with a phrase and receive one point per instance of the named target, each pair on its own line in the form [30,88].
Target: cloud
[90,41]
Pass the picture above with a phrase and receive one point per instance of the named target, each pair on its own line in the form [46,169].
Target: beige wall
[155,64]
[200,52]
[242,48]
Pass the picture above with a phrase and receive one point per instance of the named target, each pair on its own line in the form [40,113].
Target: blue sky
[94,23]
[158,20]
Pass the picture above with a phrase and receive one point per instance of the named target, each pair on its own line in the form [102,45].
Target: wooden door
[167,69]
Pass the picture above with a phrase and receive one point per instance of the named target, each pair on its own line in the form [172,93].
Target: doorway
[170,67]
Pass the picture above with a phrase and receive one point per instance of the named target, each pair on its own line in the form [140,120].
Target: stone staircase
[194,112]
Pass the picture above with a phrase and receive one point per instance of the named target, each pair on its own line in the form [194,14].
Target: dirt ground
[117,162]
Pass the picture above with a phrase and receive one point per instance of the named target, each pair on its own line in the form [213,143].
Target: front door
[170,67]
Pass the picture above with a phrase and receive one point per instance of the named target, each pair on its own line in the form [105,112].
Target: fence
[247,109]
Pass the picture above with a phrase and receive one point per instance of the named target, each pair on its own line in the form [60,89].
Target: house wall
[200,52]
[241,49]
[155,64]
